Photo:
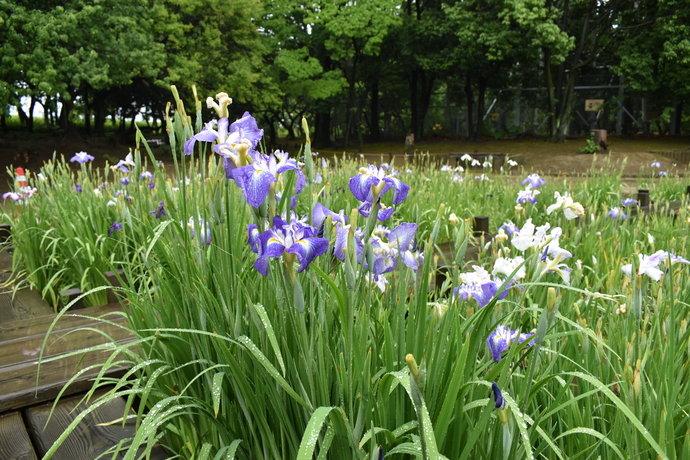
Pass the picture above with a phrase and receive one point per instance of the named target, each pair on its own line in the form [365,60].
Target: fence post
[643,198]
[480,226]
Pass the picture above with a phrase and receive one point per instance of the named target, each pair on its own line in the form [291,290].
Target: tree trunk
[470,107]
[269,124]
[374,130]
[67,106]
[427,88]
[30,117]
[565,110]
[414,114]
[69,128]
[47,115]
[87,111]
[99,113]
[676,118]
[481,93]
[421,86]
[322,129]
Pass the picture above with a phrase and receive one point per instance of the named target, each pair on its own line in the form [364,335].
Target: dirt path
[533,154]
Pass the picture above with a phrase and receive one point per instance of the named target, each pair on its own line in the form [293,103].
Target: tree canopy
[357,69]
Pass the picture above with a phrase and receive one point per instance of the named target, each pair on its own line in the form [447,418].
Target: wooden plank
[39,325]
[90,439]
[23,304]
[14,440]
[60,342]
[20,388]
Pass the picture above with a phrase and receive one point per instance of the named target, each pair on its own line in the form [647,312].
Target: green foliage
[590,146]
[383,60]
[655,52]
[229,362]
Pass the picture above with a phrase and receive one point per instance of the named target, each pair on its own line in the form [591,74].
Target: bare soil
[533,154]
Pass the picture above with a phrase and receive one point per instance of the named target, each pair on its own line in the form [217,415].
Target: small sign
[494,117]
[593,105]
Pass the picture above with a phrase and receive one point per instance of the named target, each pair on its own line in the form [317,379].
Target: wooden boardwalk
[27,395]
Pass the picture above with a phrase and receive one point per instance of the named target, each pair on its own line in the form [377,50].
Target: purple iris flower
[629,202]
[402,238]
[124,181]
[81,158]
[321,213]
[500,340]
[534,181]
[255,179]
[388,246]
[341,240]
[482,292]
[152,185]
[114,227]
[14,196]
[242,135]
[499,402]
[78,188]
[663,173]
[384,211]
[253,238]
[376,179]
[510,228]
[528,194]
[122,164]
[146,175]
[617,213]
[293,238]
[160,210]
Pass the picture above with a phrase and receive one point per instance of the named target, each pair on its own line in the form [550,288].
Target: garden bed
[276,328]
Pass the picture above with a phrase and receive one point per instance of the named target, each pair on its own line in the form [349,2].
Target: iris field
[287,306]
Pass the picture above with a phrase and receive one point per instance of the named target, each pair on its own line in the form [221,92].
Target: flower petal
[307,249]
[361,184]
[402,235]
[254,183]
[401,189]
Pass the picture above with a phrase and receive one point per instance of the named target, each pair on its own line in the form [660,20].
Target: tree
[355,32]
[654,53]
[589,24]
[301,68]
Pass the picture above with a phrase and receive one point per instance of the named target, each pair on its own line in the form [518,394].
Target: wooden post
[687,190]
[5,232]
[600,138]
[441,274]
[71,295]
[643,198]
[481,225]
[114,297]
